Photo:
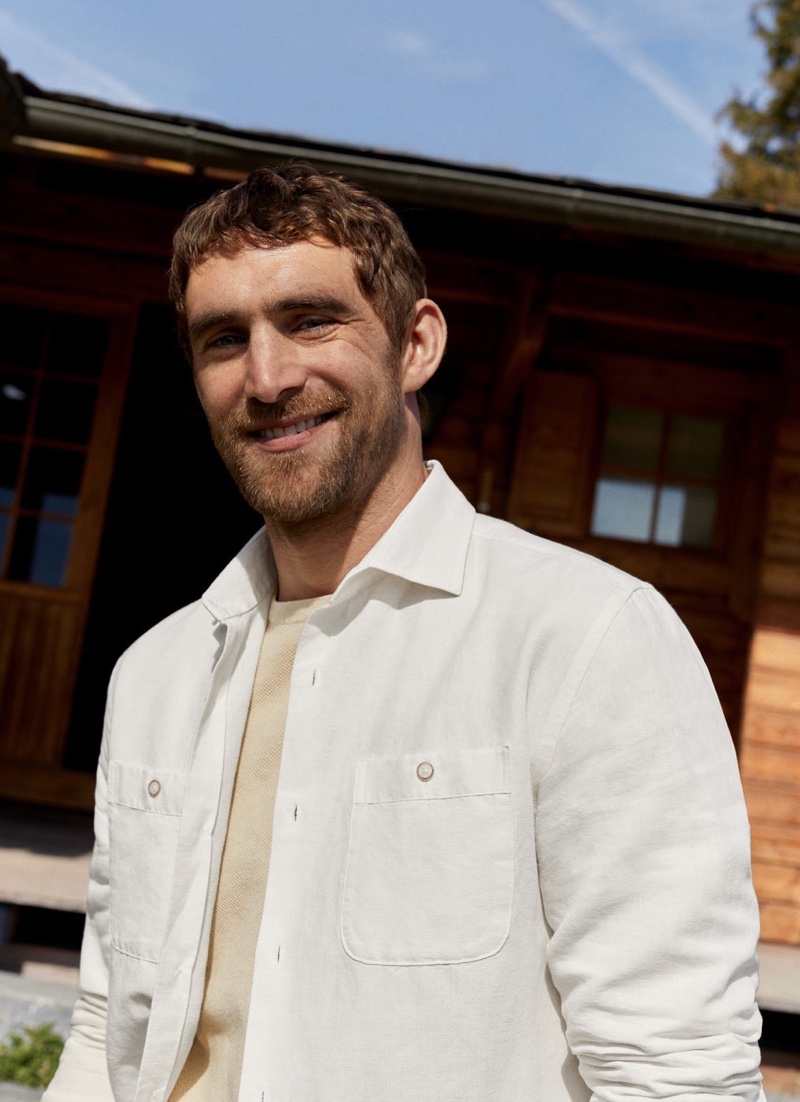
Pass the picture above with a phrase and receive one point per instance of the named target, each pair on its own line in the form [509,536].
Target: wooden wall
[770,745]
[741,602]
[548,324]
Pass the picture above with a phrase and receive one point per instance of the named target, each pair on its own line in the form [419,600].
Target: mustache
[255,414]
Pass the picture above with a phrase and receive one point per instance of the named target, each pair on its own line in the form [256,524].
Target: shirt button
[154,787]
[424,770]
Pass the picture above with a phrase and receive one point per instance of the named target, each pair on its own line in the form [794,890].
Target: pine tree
[767,170]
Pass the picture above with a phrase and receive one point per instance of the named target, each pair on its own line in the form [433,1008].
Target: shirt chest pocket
[430,867]
[144,818]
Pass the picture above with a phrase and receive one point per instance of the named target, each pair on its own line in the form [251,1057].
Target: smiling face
[309,405]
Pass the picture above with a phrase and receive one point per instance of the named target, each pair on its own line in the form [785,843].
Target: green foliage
[767,170]
[31,1060]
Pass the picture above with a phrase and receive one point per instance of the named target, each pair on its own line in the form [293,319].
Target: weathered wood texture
[42,627]
[558,427]
[770,747]
[39,646]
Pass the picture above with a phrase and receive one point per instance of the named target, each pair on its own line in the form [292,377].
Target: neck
[312,561]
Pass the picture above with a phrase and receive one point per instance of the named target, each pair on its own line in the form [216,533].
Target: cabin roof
[58,124]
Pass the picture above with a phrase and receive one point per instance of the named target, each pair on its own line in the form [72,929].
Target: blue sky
[619,91]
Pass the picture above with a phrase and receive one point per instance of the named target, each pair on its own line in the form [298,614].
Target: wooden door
[63,367]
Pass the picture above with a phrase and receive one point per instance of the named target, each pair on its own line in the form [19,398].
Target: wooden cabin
[623,375]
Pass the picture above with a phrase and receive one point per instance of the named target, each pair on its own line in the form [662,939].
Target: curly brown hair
[293,203]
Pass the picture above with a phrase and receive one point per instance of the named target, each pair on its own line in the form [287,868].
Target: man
[412,805]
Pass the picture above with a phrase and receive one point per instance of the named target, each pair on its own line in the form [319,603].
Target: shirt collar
[428,542]
[426,545]
[245,582]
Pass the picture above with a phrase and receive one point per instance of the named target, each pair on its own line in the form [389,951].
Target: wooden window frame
[43,626]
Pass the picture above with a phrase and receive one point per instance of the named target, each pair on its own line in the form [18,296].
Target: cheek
[219,393]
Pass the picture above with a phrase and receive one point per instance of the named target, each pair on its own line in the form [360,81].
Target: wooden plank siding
[770,743]
[549,324]
[42,623]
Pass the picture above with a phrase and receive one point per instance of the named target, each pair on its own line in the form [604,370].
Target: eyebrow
[201,325]
[324,303]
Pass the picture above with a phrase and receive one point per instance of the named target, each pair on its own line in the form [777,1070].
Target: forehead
[273,275]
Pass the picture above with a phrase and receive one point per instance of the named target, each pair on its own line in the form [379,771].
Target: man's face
[301,387]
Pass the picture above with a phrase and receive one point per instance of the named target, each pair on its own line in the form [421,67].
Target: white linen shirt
[510,858]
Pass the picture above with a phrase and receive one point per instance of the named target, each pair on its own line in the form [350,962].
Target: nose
[275,369]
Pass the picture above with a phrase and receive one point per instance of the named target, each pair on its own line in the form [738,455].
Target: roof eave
[411,179]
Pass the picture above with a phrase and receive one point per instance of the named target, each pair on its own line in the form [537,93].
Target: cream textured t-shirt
[213,1068]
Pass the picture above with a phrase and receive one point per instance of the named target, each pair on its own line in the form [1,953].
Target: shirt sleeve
[643,848]
[82,1074]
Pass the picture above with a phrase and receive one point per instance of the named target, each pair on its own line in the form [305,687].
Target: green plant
[31,1060]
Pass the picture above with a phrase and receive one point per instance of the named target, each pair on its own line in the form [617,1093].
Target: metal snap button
[154,787]
[424,770]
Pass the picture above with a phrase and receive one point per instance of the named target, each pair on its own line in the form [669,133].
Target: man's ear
[424,345]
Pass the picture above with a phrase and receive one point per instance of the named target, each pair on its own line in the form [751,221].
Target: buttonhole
[314,678]
[295,812]
[279,954]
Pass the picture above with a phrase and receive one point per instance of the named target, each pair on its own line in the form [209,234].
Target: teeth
[290,430]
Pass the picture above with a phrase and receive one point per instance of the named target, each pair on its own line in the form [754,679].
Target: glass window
[16,394]
[694,447]
[9,471]
[623,509]
[40,554]
[53,481]
[632,438]
[658,479]
[5,522]
[24,329]
[77,345]
[65,411]
[50,366]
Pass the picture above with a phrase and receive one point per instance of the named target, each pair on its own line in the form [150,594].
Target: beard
[307,487]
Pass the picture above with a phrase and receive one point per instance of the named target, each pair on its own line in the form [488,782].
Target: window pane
[51,553]
[53,481]
[77,345]
[23,330]
[700,517]
[5,524]
[686,516]
[16,392]
[623,509]
[9,471]
[41,551]
[632,438]
[694,447]
[671,513]
[65,411]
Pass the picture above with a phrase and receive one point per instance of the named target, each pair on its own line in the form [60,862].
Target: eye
[220,344]
[309,324]
[225,340]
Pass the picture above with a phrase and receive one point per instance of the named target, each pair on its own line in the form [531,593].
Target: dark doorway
[174,519]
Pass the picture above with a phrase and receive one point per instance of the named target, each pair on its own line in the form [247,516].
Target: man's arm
[643,847]
[82,1074]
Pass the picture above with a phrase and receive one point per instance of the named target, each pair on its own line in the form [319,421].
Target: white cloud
[435,64]
[627,56]
[55,68]
[409,42]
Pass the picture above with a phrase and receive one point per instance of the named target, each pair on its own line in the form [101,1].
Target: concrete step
[25,1001]
[10,1092]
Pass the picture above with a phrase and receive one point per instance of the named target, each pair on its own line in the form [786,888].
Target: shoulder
[569,594]
[170,636]
[194,631]
[533,565]
[177,651]
[180,625]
